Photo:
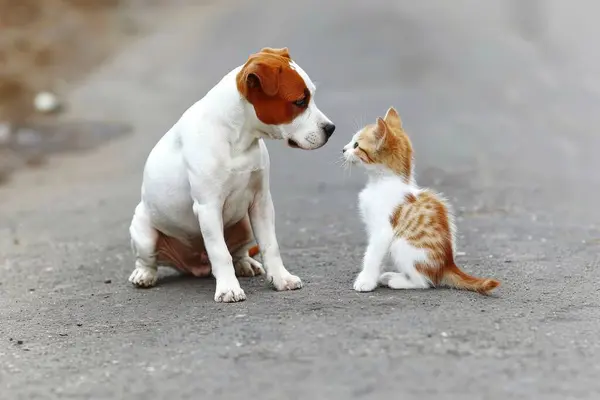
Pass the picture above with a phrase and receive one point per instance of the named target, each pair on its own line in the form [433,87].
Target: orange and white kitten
[412,225]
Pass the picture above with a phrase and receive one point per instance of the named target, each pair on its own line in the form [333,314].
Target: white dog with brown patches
[205,191]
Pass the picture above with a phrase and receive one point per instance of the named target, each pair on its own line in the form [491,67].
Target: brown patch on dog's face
[283,52]
[275,89]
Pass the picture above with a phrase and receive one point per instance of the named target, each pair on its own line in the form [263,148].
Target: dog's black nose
[328,129]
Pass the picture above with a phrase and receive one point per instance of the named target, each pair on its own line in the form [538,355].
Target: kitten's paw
[286,282]
[144,277]
[386,277]
[248,267]
[365,283]
[229,293]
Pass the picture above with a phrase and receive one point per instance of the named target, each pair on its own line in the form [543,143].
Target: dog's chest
[239,194]
[244,179]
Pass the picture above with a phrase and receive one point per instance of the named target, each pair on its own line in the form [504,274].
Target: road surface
[502,105]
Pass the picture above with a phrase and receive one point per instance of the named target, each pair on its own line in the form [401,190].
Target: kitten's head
[382,147]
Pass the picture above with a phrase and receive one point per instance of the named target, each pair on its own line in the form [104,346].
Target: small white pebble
[238,344]
[461,253]
[46,102]
[444,334]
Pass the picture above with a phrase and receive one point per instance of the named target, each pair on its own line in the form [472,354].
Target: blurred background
[46,47]
[501,101]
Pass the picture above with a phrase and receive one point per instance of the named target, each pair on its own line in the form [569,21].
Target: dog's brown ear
[263,74]
[283,52]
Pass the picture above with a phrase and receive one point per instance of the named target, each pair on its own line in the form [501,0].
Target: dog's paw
[286,282]
[229,293]
[144,277]
[248,267]
[365,283]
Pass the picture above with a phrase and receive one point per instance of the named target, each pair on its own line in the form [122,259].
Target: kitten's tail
[454,277]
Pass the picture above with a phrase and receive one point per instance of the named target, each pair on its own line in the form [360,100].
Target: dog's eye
[302,103]
[355,144]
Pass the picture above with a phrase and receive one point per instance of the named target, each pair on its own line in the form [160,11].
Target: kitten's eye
[355,144]
[302,103]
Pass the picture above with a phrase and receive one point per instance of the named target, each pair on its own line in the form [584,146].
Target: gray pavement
[502,108]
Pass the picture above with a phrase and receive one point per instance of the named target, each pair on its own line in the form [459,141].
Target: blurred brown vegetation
[43,42]
[47,45]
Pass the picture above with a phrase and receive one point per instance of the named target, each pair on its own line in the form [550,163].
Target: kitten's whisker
[358,122]
[346,164]
[355,124]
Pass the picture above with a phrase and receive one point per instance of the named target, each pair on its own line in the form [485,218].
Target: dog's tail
[454,277]
[254,250]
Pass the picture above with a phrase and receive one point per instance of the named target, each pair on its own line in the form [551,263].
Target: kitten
[412,225]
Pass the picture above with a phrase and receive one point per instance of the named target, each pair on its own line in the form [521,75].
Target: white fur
[209,171]
[384,192]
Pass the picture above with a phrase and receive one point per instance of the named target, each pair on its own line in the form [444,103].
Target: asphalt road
[502,108]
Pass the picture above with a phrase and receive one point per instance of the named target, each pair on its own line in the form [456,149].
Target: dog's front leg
[262,219]
[210,217]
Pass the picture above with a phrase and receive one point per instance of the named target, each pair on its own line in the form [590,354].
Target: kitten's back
[425,222]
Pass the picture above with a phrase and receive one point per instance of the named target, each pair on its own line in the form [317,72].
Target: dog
[205,196]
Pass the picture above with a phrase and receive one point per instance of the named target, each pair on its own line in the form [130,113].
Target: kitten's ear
[393,118]
[381,132]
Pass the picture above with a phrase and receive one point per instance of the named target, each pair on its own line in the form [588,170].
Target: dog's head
[282,97]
